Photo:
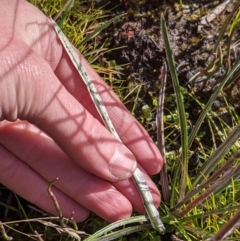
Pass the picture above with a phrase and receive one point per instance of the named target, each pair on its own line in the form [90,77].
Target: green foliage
[203,194]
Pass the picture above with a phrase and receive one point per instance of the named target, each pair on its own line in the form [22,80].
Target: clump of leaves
[196,207]
[197,201]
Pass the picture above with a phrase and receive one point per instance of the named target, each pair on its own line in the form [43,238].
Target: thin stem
[56,204]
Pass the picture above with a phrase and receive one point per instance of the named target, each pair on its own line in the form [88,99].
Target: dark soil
[192,41]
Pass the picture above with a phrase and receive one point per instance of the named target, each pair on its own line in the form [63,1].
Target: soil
[192,34]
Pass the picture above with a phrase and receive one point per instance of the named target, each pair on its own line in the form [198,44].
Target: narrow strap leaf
[138,177]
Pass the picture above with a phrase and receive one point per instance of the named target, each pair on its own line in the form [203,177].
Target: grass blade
[228,228]
[123,233]
[181,112]
[99,29]
[160,134]
[221,151]
[213,177]
[112,226]
[225,25]
[64,12]
[216,185]
[210,102]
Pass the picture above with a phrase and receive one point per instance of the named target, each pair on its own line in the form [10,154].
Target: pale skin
[50,128]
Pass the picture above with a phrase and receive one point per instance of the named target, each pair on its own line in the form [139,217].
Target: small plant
[196,206]
[194,199]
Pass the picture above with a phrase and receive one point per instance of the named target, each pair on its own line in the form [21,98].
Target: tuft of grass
[208,199]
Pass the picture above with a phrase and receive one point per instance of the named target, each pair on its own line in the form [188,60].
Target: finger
[41,154]
[35,94]
[133,135]
[21,179]
[129,189]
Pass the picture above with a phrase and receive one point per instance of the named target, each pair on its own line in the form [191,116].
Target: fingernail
[123,163]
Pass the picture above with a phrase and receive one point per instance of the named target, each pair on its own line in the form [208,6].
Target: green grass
[198,205]
[202,198]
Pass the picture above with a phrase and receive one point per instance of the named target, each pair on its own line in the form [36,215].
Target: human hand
[50,127]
